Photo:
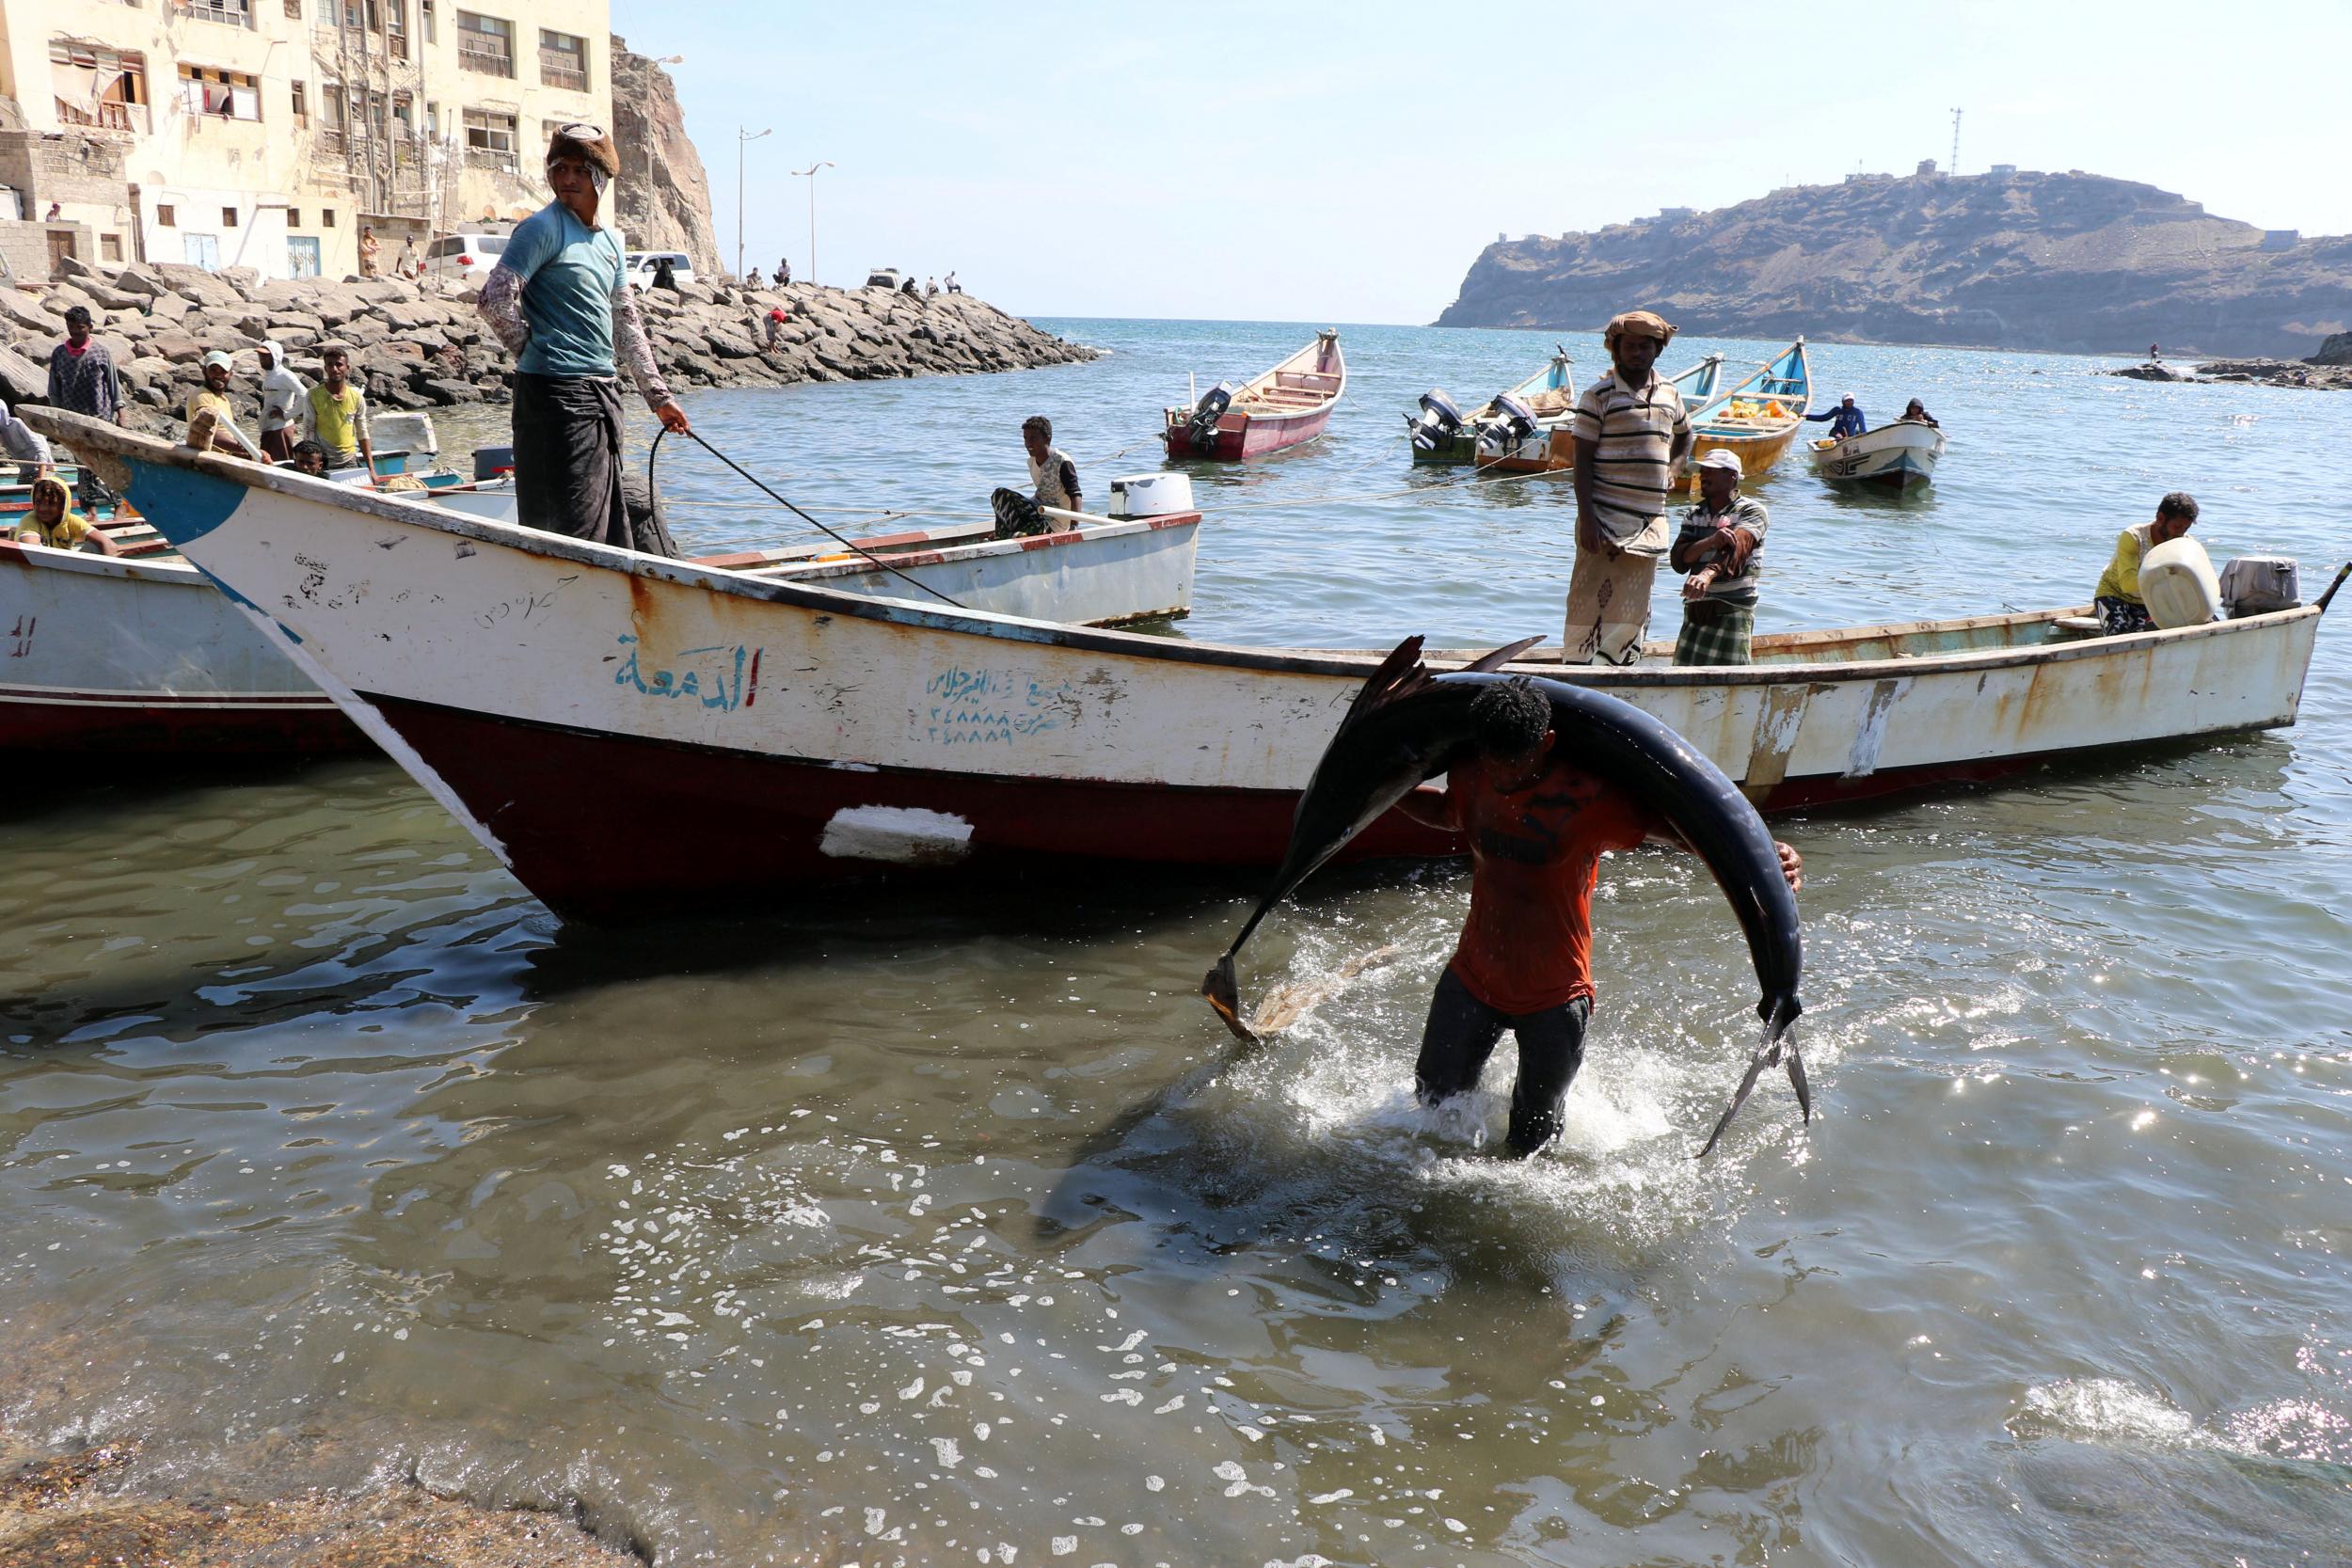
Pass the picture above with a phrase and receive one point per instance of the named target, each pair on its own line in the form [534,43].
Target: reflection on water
[933,1226]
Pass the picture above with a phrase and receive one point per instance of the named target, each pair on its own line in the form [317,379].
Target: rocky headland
[419,345]
[2075,262]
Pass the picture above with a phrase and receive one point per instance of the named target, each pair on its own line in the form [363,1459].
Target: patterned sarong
[1608,608]
[1718,634]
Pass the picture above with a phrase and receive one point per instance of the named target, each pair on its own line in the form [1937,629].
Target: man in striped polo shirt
[1632,435]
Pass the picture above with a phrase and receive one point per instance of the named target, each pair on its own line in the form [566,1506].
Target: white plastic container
[2178,584]
[2258,584]
[1151,496]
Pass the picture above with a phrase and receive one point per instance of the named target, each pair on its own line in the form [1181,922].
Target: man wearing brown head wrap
[560,300]
[1632,435]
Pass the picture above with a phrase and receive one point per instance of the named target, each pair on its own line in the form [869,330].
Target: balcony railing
[484,157]
[559,69]
[236,13]
[396,45]
[487,55]
[330,142]
[105,115]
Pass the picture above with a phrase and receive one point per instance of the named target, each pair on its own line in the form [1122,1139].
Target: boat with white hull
[770,736]
[1893,456]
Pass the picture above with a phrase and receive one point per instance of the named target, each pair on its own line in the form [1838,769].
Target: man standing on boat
[1536,825]
[1721,548]
[559,299]
[1846,420]
[283,394]
[1632,433]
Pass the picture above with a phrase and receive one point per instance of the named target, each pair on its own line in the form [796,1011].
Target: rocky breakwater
[422,344]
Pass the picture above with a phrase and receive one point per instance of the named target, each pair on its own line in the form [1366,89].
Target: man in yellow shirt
[53,522]
[336,414]
[220,432]
[2115,601]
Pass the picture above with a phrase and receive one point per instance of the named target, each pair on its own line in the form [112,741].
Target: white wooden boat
[772,735]
[1893,456]
[144,655]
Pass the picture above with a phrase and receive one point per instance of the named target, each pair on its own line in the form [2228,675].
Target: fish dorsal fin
[1501,656]
[1400,674]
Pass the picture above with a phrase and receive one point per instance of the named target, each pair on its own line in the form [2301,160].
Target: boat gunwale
[84,433]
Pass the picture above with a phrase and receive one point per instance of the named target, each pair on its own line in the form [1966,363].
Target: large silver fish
[1408,725]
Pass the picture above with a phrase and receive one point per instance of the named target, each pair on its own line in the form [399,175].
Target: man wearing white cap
[1631,433]
[212,420]
[1721,549]
[282,396]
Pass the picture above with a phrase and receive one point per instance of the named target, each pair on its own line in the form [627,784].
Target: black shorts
[1462,1033]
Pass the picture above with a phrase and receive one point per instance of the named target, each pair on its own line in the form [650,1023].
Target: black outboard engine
[1202,425]
[1436,422]
[1512,422]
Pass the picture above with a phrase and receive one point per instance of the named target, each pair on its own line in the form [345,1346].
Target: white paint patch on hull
[901,835]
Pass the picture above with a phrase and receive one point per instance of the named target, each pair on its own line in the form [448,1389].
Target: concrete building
[269,133]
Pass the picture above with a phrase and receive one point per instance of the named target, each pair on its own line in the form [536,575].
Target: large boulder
[141,280]
[22,379]
[196,284]
[447,390]
[339,304]
[168,307]
[176,346]
[24,310]
[410,315]
[2337,350]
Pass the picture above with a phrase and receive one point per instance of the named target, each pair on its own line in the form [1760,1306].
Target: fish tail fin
[1766,1055]
[1796,1081]
[1501,656]
[1223,989]
[1400,674]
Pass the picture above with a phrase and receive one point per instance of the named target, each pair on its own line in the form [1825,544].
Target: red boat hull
[148,725]
[1240,435]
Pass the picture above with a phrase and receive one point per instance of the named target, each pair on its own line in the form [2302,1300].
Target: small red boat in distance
[1290,403]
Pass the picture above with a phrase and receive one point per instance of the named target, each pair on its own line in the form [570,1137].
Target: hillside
[2068,262]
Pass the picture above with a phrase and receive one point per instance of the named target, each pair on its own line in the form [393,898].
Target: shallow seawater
[946,1227]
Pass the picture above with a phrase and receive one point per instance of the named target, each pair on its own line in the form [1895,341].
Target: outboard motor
[1512,422]
[1436,422]
[1213,403]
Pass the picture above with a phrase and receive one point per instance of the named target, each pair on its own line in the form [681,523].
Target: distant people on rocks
[2154,357]
[83,380]
[369,247]
[310,458]
[1632,435]
[404,265]
[777,318]
[953,287]
[907,287]
[2116,600]
[51,520]
[335,414]
[1844,420]
[1056,478]
[1916,412]
[1720,550]
[930,288]
[283,394]
[783,271]
[212,419]
[27,445]
[560,300]
[666,274]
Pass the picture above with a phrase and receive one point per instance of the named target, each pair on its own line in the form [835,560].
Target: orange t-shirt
[1534,859]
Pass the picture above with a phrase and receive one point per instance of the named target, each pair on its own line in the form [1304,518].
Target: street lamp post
[810,173]
[742,139]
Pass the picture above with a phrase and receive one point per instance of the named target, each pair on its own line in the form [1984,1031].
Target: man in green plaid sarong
[1720,550]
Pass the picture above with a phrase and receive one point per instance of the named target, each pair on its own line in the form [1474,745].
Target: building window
[221,94]
[167,216]
[301,103]
[105,88]
[485,43]
[490,138]
[294,217]
[110,247]
[327,217]
[432,22]
[236,13]
[564,60]
[294,11]
[229,217]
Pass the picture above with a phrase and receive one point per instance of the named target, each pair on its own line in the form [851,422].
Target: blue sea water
[917,1230]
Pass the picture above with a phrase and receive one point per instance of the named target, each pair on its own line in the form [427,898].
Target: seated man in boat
[2115,601]
[1721,552]
[1056,478]
[1537,826]
[1631,433]
[54,522]
[1845,419]
[1916,412]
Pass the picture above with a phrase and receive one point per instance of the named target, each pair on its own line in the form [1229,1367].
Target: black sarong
[568,463]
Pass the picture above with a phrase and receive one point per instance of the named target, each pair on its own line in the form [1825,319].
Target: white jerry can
[1150,495]
[2178,584]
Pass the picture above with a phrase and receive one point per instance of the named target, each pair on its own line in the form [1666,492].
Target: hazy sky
[1303,162]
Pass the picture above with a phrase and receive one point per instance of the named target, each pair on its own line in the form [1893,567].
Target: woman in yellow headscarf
[54,522]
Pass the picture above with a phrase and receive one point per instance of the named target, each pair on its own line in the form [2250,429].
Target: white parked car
[464,259]
[642,265]
[882,278]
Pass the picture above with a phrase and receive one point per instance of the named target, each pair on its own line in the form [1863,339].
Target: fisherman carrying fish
[1632,433]
[1721,549]
[560,300]
[1536,825]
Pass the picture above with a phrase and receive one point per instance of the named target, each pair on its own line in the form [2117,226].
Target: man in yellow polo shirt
[336,414]
[2116,600]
